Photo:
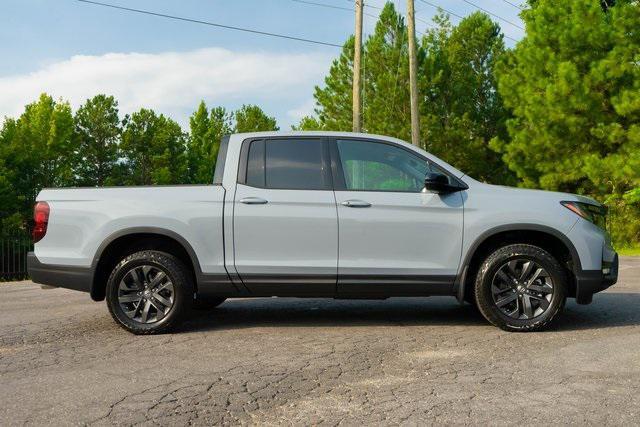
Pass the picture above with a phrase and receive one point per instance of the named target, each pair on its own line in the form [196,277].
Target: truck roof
[242,136]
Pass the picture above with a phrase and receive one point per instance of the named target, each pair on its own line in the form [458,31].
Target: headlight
[596,214]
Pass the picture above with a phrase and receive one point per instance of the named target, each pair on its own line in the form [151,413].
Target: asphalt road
[289,361]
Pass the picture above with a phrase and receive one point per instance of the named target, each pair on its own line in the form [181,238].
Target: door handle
[356,204]
[253,201]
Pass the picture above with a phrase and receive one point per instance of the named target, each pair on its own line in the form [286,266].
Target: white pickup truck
[322,214]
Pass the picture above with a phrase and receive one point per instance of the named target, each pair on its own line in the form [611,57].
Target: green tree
[251,118]
[385,89]
[461,110]
[385,77]
[153,148]
[334,100]
[573,85]
[97,128]
[10,205]
[207,129]
[308,123]
[38,151]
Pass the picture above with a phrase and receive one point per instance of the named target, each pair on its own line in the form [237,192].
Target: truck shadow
[607,310]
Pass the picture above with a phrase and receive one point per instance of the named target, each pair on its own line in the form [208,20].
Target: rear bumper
[62,276]
[589,282]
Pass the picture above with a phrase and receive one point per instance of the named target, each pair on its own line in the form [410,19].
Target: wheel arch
[130,240]
[548,238]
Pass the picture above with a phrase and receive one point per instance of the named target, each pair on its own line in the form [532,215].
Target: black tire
[207,303]
[176,274]
[486,293]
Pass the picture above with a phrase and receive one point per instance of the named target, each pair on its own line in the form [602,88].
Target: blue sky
[74,50]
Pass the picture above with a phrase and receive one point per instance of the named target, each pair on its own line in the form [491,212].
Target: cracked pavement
[321,361]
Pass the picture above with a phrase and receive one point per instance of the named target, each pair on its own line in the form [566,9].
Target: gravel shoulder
[294,361]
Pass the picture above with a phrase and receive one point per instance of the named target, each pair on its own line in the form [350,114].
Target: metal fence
[13,255]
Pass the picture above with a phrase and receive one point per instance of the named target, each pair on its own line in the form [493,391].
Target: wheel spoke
[165,285]
[157,279]
[498,291]
[535,276]
[512,265]
[145,312]
[138,278]
[159,309]
[544,303]
[162,300]
[506,300]
[129,298]
[516,311]
[526,270]
[508,280]
[545,288]
[527,307]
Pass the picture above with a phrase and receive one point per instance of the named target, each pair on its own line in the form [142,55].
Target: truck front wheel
[520,287]
[148,292]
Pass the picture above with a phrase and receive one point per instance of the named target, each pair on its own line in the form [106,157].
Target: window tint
[255,164]
[373,166]
[295,164]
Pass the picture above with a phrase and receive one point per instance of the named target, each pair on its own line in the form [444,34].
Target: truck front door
[396,239]
[285,221]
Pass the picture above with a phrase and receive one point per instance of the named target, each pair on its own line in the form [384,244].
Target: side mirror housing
[439,183]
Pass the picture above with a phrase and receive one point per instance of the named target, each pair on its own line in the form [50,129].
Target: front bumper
[63,276]
[589,282]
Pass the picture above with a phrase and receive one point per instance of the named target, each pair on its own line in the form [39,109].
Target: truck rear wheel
[148,292]
[520,288]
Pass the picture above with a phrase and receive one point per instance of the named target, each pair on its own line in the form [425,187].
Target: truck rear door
[285,220]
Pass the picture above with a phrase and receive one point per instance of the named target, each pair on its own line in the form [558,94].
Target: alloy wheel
[146,294]
[522,289]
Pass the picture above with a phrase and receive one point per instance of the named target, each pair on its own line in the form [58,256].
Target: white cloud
[173,82]
[305,109]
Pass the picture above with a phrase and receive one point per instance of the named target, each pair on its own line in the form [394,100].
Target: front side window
[288,164]
[373,166]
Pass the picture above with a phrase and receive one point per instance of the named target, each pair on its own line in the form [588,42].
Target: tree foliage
[251,118]
[97,128]
[573,84]
[459,106]
[37,152]
[207,129]
[153,147]
[461,110]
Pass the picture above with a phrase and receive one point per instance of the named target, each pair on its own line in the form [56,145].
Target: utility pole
[357,115]
[413,75]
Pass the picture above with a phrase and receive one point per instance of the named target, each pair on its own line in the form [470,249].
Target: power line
[428,24]
[440,7]
[331,6]
[493,14]
[369,6]
[458,16]
[513,4]
[212,24]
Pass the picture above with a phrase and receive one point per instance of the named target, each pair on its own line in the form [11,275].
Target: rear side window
[255,164]
[288,164]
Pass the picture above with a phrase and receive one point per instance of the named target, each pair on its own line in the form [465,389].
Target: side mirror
[439,183]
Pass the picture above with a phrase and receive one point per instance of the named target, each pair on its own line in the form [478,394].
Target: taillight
[41,220]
